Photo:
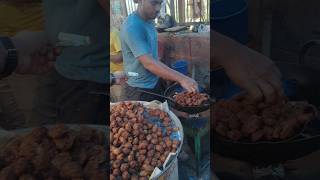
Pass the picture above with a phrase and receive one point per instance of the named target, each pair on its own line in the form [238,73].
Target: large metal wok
[300,83]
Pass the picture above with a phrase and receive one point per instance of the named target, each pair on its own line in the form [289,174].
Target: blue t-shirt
[139,37]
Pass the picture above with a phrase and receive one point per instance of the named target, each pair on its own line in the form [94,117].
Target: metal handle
[305,49]
[99,93]
[155,94]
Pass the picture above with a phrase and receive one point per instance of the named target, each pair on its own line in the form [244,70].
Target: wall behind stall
[118,9]
[293,23]
[192,47]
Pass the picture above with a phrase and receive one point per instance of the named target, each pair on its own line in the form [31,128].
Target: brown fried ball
[71,170]
[27,177]
[58,131]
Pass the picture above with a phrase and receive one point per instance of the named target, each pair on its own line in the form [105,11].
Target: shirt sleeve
[115,41]
[136,39]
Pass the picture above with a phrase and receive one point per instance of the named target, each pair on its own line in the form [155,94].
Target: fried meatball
[58,131]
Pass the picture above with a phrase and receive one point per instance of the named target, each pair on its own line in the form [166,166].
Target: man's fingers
[277,85]
[189,88]
[267,89]
[254,92]
[194,87]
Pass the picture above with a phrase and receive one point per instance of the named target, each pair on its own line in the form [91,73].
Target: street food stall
[184,46]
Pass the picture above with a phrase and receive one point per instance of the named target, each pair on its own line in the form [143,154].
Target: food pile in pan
[190,98]
[138,145]
[55,153]
[238,120]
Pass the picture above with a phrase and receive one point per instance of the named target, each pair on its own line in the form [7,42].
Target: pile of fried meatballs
[137,145]
[239,120]
[57,153]
[190,98]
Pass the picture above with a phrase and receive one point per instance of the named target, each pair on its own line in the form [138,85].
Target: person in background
[16,15]
[116,61]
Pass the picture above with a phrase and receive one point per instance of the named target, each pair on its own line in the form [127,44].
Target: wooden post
[181,11]
[124,8]
[172,9]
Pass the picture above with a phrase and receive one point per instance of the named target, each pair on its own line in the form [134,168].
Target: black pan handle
[155,94]
[305,49]
[99,93]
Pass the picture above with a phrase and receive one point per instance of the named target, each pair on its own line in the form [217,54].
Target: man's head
[149,9]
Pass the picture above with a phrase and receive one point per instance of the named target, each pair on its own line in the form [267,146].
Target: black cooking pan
[306,87]
[176,88]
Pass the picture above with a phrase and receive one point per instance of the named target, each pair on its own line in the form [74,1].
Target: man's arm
[163,71]
[116,58]
[141,50]
[27,42]
[34,53]
[249,69]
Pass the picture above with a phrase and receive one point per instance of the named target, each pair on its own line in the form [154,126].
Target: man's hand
[259,76]
[189,84]
[35,54]
[117,59]
[38,62]
[249,69]
[28,42]
[163,71]
[121,77]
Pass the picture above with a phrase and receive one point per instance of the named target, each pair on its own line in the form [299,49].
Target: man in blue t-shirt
[139,44]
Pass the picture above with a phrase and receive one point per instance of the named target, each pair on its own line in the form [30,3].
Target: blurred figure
[65,91]
[116,60]
[16,15]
